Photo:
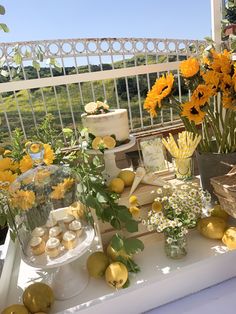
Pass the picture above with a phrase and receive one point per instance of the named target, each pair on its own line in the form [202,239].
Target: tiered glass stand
[67,280]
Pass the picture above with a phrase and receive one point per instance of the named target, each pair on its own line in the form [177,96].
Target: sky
[61,19]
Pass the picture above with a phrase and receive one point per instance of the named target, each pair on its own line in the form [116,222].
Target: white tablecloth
[218,299]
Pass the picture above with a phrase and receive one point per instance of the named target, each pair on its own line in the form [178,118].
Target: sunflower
[26,163]
[23,200]
[60,189]
[212,79]
[226,82]
[48,154]
[5,163]
[229,102]
[161,89]
[6,178]
[201,95]
[193,112]
[234,79]
[189,67]
[221,62]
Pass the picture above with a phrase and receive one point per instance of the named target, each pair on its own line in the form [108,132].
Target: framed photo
[152,154]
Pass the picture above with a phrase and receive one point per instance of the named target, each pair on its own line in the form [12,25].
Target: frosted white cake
[114,122]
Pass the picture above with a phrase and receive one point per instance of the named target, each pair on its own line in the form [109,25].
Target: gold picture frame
[152,154]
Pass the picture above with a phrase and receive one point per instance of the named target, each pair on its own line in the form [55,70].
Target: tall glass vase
[175,247]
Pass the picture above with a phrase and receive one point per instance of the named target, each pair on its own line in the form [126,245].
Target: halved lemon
[97,142]
[91,107]
[156,206]
[109,142]
[35,147]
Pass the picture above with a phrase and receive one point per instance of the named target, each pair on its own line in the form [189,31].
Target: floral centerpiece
[211,107]
[176,210]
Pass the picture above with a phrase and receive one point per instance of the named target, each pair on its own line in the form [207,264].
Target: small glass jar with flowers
[175,211]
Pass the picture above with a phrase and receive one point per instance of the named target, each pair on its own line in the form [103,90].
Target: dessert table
[160,281]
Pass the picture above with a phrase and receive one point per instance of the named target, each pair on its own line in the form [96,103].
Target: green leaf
[2,10]
[17,58]
[101,198]
[4,73]
[123,213]
[117,242]
[131,225]
[115,223]
[92,202]
[36,65]
[96,161]
[4,28]
[133,245]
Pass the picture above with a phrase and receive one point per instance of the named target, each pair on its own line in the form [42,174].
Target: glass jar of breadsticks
[182,150]
[48,220]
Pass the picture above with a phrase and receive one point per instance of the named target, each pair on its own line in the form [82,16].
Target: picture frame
[152,154]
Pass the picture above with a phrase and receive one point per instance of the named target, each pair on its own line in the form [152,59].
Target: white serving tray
[161,279]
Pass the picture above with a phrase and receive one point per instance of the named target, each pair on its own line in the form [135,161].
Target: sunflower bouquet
[210,109]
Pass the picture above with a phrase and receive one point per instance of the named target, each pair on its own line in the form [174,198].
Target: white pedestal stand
[111,170]
[70,278]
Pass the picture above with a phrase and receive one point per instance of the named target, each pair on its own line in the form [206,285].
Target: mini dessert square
[76,227]
[69,240]
[37,245]
[67,220]
[53,247]
[55,232]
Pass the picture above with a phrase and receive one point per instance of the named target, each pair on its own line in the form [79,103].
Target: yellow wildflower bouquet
[211,107]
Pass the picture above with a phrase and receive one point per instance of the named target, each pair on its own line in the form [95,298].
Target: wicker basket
[225,190]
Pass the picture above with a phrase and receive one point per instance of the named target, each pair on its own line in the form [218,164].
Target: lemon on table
[156,206]
[127,176]
[212,227]
[97,142]
[229,238]
[109,142]
[117,185]
[116,275]
[38,297]
[15,309]
[91,107]
[219,212]
[133,200]
[97,263]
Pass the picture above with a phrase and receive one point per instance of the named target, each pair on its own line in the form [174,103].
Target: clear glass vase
[175,248]
[183,168]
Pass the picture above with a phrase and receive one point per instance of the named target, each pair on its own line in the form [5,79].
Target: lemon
[91,107]
[97,142]
[156,206]
[116,275]
[38,297]
[113,254]
[229,238]
[134,210]
[35,147]
[109,142]
[97,263]
[127,176]
[133,200]
[15,309]
[117,185]
[212,227]
[219,212]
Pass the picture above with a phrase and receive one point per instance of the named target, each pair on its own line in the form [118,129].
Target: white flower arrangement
[181,208]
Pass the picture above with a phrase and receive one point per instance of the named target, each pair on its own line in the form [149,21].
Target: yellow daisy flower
[161,89]
[5,163]
[48,154]
[193,112]
[60,189]
[24,200]
[134,210]
[68,183]
[133,201]
[189,67]
[26,163]
[201,95]
[6,178]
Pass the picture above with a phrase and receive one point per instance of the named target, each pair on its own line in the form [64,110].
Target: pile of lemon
[38,298]
[124,179]
[104,265]
[216,227]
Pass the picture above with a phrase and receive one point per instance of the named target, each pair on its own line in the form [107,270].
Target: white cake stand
[111,170]
[68,280]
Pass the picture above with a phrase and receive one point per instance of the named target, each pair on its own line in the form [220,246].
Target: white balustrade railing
[72,72]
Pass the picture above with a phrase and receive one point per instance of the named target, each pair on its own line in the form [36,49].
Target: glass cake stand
[111,170]
[67,280]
